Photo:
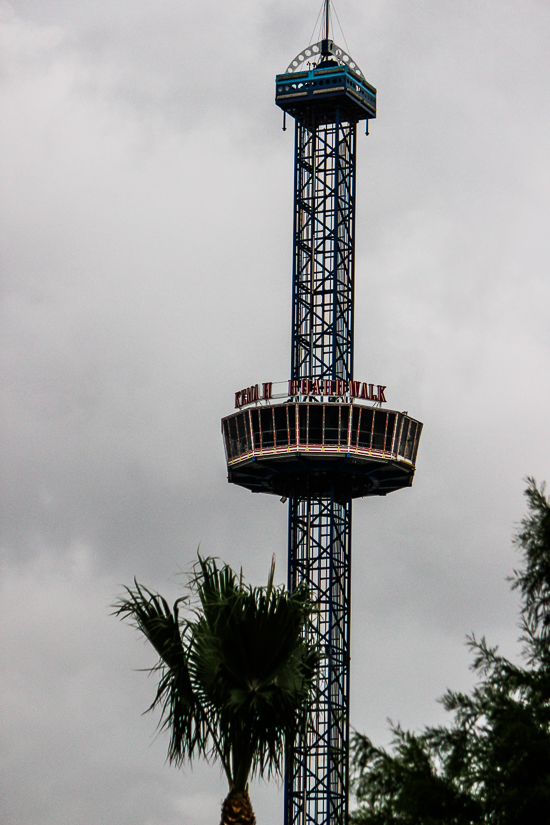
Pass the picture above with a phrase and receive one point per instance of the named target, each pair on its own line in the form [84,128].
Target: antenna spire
[327,18]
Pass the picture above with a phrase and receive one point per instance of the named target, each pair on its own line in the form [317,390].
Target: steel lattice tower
[322,446]
[319,532]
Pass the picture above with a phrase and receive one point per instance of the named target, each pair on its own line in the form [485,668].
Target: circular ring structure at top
[312,52]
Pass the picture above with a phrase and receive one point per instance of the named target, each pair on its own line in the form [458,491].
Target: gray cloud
[146,267]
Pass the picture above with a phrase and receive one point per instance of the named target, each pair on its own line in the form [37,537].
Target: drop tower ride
[324,438]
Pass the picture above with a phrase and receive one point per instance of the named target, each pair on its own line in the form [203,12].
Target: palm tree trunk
[237,810]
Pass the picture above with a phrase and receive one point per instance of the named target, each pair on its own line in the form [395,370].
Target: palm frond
[183,713]
[235,674]
[252,661]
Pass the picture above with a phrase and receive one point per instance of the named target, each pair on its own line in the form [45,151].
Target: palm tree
[235,674]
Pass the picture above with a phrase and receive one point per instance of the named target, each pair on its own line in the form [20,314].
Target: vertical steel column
[319,545]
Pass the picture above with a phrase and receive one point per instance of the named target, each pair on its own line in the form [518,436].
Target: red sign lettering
[247,396]
[313,386]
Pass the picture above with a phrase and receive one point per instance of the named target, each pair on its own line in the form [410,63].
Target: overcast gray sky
[146,258]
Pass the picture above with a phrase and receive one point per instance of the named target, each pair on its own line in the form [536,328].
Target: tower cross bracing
[322,334]
[319,545]
[319,548]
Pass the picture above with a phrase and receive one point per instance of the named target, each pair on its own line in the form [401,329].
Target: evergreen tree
[491,765]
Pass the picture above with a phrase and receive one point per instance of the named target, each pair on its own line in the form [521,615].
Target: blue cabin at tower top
[324,84]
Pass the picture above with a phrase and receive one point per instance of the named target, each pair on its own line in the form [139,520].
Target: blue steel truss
[324,213]
[319,546]
[316,788]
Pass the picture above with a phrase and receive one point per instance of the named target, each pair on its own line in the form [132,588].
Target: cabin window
[303,423]
[281,428]
[292,424]
[249,444]
[403,438]
[266,422]
[356,411]
[410,441]
[315,435]
[416,442]
[332,424]
[344,421]
[390,431]
[233,438]
[243,432]
[226,438]
[379,434]
[255,416]
[365,429]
